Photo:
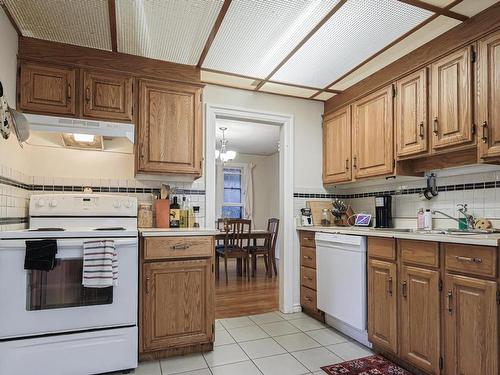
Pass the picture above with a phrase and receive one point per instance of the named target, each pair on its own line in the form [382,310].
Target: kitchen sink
[402,230]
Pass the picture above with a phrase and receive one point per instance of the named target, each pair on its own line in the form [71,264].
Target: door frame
[289,260]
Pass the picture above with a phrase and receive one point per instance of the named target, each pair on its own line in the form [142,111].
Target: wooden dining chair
[236,242]
[267,250]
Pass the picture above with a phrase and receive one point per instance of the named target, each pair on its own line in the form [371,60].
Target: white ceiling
[249,137]
[308,50]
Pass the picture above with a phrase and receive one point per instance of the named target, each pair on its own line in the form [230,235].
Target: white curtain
[248,188]
[219,190]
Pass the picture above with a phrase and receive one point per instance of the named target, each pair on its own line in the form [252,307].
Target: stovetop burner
[47,230]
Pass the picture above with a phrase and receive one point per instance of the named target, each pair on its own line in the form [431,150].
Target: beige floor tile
[350,350]
[262,348]
[297,341]
[247,333]
[316,358]
[279,328]
[225,354]
[327,336]
[184,363]
[283,364]
[240,368]
[307,324]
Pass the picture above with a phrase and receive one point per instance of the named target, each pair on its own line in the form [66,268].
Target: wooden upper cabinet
[169,132]
[382,304]
[410,114]
[471,326]
[372,128]
[178,304]
[488,105]
[337,147]
[47,89]
[420,317]
[451,100]
[107,95]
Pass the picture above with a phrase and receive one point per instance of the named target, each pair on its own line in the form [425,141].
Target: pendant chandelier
[223,154]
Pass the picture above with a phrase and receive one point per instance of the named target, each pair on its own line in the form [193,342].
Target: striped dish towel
[100,264]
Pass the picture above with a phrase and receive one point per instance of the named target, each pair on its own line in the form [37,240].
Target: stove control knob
[40,202]
[117,204]
[53,203]
[128,204]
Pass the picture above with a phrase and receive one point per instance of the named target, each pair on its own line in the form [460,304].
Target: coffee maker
[383,211]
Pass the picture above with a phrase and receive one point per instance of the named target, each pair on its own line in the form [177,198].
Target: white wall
[307,117]
[265,186]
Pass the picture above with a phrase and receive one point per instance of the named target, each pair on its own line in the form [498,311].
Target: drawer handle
[180,247]
[307,257]
[404,289]
[308,278]
[307,239]
[449,300]
[469,259]
[309,299]
[389,288]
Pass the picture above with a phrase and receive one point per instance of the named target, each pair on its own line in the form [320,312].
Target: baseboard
[346,329]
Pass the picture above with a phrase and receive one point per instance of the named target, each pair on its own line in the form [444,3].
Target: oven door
[43,302]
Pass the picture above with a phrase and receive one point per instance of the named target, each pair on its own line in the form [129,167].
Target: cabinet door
[47,89]
[451,93]
[489,95]
[178,304]
[337,147]
[169,137]
[420,318]
[107,96]
[382,305]
[411,112]
[471,326]
[372,135]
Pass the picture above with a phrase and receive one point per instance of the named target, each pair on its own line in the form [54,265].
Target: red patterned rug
[373,365]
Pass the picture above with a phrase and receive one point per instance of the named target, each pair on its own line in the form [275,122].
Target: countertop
[470,239]
[171,232]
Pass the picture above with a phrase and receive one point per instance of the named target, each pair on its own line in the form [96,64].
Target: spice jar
[325,217]
[145,215]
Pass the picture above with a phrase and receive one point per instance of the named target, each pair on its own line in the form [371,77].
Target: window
[233,206]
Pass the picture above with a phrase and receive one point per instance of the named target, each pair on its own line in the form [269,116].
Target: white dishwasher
[342,285]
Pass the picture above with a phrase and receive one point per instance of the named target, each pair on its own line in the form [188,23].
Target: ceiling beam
[302,42]
[438,10]
[213,33]
[394,42]
[112,25]
[11,19]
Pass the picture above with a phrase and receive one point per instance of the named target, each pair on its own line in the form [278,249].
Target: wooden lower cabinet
[471,326]
[382,305]
[420,317]
[177,306]
[308,286]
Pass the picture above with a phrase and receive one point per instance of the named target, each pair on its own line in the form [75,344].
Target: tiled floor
[266,344]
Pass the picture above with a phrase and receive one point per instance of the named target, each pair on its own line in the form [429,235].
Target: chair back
[273,225]
[237,234]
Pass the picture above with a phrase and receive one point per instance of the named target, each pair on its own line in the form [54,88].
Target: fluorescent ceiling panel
[356,31]
[82,23]
[165,30]
[256,36]
[472,7]
[227,80]
[439,3]
[430,31]
[287,90]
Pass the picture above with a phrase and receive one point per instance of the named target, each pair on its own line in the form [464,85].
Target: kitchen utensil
[20,125]
[164,191]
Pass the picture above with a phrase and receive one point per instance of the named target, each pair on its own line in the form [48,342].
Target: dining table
[254,235]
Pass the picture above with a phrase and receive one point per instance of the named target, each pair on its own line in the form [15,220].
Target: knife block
[162,213]
[346,219]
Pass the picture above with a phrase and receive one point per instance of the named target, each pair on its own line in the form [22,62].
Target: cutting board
[317,208]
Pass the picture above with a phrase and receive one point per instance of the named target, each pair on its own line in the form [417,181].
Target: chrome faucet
[462,208]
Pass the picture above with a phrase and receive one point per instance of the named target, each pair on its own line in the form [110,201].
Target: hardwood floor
[241,297]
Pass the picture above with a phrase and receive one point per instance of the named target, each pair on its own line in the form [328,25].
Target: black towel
[40,255]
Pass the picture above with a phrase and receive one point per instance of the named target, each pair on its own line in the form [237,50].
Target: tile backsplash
[16,188]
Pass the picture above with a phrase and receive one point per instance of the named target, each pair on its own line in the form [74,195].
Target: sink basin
[402,230]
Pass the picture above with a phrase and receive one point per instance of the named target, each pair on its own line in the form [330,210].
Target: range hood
[55,124]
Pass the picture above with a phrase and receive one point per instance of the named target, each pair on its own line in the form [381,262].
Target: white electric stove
[50,323]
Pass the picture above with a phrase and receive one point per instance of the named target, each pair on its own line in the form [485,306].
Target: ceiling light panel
[257,35]
[83,23]
[228,80]
[166,30]
[359,29]
[276,88]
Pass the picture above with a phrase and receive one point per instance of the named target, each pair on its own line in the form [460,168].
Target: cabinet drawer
[178,247]
[384,248]
[307,239]
[308,277]
[308,257]
[474,260]
[308,298]
[424,253]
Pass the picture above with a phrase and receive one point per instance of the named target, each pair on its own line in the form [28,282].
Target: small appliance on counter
[383,211]
[306,216]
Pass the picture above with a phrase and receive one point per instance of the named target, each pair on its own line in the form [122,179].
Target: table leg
[239,266]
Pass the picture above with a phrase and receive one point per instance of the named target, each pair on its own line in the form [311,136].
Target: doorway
[216,116]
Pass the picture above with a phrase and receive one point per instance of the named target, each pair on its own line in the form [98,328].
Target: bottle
[196,218]
[175,211]
[184,213]
[420,219]
[428,219]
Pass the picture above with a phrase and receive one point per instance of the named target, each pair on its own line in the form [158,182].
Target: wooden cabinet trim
[308,257]
[308,277]
[307,238]
[423,253]
[178,247]
[470,259]
[383,248]
[337,160]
